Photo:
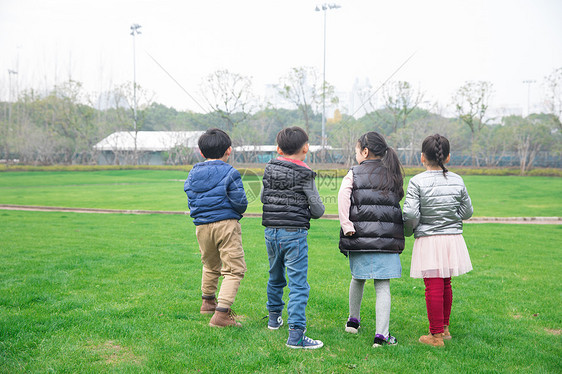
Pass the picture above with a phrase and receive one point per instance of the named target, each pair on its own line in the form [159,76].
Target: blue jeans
[288,249]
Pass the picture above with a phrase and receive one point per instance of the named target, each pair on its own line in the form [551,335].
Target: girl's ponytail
[395,171]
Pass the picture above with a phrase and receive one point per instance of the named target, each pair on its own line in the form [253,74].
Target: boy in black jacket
[290,199]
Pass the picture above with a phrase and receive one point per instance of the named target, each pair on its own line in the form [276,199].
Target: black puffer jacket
[284,202]
[375,214]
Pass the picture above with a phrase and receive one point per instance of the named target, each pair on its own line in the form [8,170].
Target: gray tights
[382,289]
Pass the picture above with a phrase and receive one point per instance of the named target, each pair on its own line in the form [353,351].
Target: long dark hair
[436,150]
[393,179]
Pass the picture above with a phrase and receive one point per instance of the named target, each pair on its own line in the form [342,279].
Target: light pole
[9,129]
[324,7]
[10,73]
[528,82]
[135,31]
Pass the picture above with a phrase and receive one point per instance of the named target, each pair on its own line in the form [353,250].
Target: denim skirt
[373,265]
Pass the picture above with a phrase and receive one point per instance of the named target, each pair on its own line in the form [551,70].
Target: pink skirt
[440,256]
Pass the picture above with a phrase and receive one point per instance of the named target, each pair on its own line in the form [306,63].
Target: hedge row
[548,172]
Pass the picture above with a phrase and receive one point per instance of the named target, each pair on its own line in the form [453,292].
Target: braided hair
[436,150]
[393,179]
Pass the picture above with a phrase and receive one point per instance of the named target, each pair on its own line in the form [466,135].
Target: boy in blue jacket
[216,201]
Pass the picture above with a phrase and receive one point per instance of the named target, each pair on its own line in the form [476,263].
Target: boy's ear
[279,151]
[228,151]
[201,153]
[305,148]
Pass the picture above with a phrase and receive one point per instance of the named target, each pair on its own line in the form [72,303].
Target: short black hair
[291,140]
[214,143]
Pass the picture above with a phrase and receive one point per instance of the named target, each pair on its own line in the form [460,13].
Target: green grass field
[120,293]
[89,293]
[492,196]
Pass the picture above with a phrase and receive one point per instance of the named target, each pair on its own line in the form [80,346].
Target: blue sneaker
[275,321]
[298,340]
[380,340]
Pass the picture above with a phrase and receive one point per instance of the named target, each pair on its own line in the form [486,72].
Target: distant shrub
[336,172]
[4,168]
[551,172]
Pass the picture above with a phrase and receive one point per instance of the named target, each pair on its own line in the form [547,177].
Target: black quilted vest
[376,214]
[284,201]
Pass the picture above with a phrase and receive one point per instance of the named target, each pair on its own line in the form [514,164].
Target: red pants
[438,299]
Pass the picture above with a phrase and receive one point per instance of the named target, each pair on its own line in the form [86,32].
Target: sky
[450,42]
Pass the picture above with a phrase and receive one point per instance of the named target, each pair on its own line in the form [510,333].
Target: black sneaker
[352,325]
[380,340]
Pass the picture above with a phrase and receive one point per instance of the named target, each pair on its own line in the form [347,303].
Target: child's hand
[350,233]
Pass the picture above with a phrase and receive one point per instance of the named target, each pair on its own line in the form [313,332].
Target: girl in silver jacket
[436,204]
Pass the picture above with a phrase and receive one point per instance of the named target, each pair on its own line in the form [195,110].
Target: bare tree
[400,99]
[529,136]
[471,103]
[408,139]
[229,95]
[494,145]
[345,137]
[553,100]
[303,87]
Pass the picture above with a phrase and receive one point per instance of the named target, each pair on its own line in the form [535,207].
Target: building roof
[158,141]
[151,141]
[273,148]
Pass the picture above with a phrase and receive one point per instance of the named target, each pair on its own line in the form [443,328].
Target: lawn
[89,293]
[492,196]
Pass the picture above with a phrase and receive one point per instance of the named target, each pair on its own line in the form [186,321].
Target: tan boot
[446,333]
[435,340]
[223,318]
[209,305]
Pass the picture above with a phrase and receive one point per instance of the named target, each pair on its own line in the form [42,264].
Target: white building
[150,146]
[177,147]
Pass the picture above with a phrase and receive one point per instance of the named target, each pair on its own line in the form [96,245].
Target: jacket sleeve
[465,209]
[235,192]
[314,200]
[187,190]
[344,203]
[411,208]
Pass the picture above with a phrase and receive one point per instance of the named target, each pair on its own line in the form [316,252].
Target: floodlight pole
[135,31]
[324,7]
[10,73]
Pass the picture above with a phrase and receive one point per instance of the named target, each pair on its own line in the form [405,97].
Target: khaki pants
[220,244]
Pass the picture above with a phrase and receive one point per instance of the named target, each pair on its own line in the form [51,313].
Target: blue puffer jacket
[214,192]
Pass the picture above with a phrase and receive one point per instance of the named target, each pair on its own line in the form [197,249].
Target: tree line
[63,125]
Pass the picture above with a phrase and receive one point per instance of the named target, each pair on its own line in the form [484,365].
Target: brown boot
[209,305]
[435,340]
[223,317]
[446,333]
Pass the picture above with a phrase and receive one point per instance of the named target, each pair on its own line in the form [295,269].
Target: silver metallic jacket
[435,204]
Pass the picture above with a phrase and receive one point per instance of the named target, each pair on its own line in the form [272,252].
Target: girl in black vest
[372,232]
